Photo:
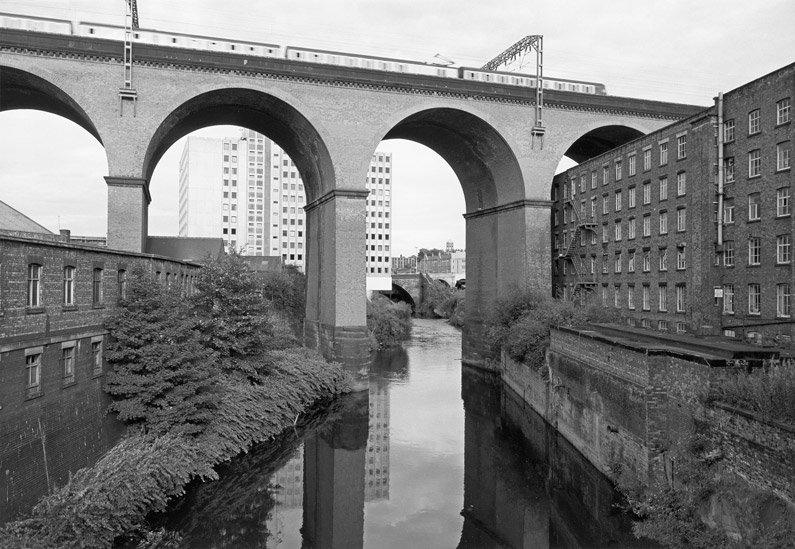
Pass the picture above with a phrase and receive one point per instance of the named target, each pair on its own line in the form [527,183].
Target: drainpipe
[719,105]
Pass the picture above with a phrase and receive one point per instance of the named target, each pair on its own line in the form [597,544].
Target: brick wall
[758,450]
[61,425]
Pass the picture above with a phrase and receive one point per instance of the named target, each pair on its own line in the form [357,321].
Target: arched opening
[443,281]
[247,163]
[257,111]
[595,142]
[489,176]
[399,294]
[52,161]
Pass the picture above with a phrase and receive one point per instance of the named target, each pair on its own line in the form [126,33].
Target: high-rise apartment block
[689,228]
[248,191]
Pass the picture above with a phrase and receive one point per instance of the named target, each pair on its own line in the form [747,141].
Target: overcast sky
[684,50]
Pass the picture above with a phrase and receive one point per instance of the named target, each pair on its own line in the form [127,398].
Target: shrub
[520,322]
[436,296]
[458,310]
[162,375]
[388,323]
[767,391]
[231,312]
[286,292]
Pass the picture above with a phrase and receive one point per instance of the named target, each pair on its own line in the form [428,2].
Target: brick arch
[254,110]
[479,155]
[21,89]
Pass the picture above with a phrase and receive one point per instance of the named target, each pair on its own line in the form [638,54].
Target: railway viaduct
[330,119]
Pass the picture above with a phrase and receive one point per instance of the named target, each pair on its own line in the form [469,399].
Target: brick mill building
[639,225]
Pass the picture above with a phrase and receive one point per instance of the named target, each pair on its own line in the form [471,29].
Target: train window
[251,48]
[232,47]
[367,64]
[487,77]
[173,40]
[576,87]
[90,30]
[136,35]
[440,72]
[298,55]
[400,67]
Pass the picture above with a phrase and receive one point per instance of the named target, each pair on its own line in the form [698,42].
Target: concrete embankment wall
[623,405]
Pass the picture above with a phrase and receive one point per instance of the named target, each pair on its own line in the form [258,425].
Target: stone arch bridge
[330,119]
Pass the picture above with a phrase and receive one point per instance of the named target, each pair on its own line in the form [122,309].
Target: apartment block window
[593,179]
[604,294]
[646,298]
[663,259]
[631,298]
[754,207]
[728,131]
[33,370]
[631,262]
[663,188]
[728,169]
[728,212]
[605,174]
[96,287]
[663,222]
[617,263]
[593,207]
[681,219]
[681,259]
[662,298]
[631,228]
[617,231]
[783,247]
[582,183]
[663,153]
[728,253]
[646,261]
[754,122]
[618,170]
[632,165]
[604,233]
[782,156]
[647,192]
[728,299]
[681,183]
[631,197]
[783,308]
[68,362]
[68,285]
[754,251]
[96,356]
[681,298]
[646,159]
[681,146]
[605,203]
[34,285]
[593,264]
[647,225]
[782,111]
[618,201]
[783,201]
[604,264]
[754,163]
[754,299]
[617,296]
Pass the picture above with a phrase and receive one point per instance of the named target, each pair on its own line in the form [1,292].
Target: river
[434,456]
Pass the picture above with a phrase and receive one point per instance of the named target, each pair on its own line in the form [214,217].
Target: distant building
[436,261]
[403,264]
[249,192]
[376,472]
[12,220]
[639,224]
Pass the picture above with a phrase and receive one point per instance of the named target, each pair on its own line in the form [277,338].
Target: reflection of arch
[443,281]
[600,140]
[22,90]
[255,110]
[400,294]
[482,160]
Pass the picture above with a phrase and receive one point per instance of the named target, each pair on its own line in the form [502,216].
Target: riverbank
[139,475]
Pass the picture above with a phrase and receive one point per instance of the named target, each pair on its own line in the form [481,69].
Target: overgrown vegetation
[704,504]
[285,290]
[520,323]
[199,380]
[766,391]
[389,323]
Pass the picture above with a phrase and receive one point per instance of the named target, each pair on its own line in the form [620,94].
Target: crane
[130,23]
[532,42]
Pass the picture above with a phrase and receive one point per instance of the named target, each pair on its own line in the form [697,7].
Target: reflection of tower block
[376,472]
[288,482]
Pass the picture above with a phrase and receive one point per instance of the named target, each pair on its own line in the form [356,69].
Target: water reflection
[407,465]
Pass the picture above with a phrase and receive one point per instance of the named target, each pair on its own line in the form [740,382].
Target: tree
[162,375]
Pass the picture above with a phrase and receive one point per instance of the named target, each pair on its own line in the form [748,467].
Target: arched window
[34,285]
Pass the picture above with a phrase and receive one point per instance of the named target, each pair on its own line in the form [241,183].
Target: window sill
[32,396]
[755,220]
[95,375]
[754,266]
[755,134]
[98,306]
[68,383]
[783,216]
[783,170]
[783,264]
[754,176]
[34,310]
[781,126]
[727,314]
[69,308]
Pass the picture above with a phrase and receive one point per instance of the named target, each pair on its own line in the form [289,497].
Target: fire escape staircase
[583,278]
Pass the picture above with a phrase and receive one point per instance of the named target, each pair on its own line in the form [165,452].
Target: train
[301,54]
